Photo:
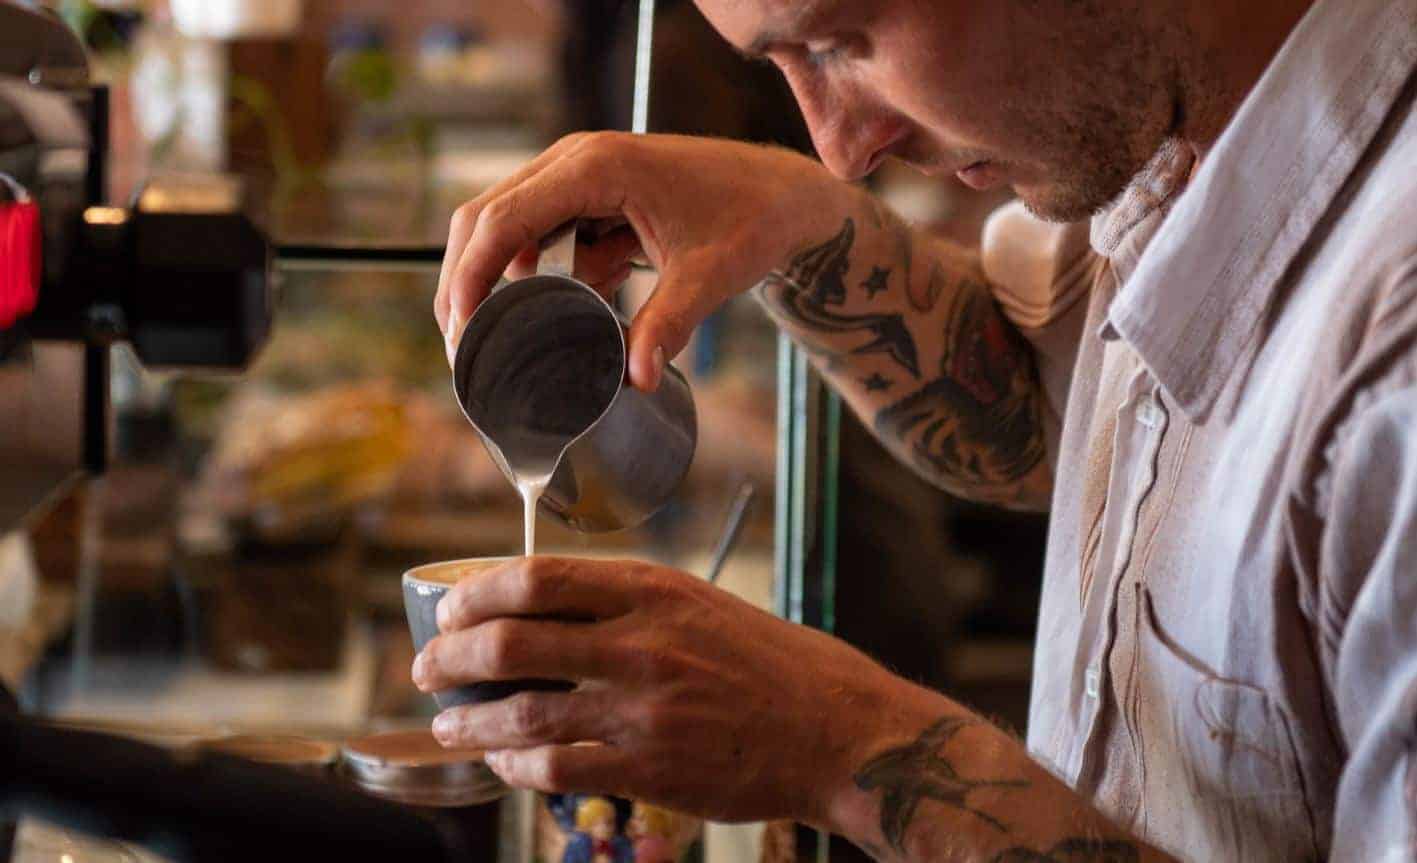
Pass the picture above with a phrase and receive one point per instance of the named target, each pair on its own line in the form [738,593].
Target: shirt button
[1093,680]
[1150,414]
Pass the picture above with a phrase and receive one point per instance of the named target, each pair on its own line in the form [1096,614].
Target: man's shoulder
[1367,258]
[1377,221]
[1362,260]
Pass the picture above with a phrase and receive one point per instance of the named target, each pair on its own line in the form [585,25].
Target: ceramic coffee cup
[423,587]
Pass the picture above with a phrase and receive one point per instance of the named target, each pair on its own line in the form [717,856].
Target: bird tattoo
[909,774]
[814,284]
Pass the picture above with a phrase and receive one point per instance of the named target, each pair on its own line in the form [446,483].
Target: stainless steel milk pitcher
[543,361]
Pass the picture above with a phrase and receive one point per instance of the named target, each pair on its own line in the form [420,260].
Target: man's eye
[820,53]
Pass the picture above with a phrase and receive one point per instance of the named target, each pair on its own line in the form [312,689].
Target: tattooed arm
[964,790]
[904,327]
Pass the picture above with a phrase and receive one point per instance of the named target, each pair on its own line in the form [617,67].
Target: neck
[1226,48]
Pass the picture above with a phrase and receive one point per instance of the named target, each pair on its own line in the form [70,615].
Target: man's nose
[852,143]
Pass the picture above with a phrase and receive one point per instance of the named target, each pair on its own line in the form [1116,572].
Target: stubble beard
[1102,122]
[1101,161]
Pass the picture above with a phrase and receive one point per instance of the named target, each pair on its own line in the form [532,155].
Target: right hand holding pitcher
[713,217]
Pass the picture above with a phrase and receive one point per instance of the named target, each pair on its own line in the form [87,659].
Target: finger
[524,264]
[611,285]
[662,328]
[524,720]
[564,769]
[540,587]
[574,187]
[465,220]
[459,232]
[598,261]
[510,648]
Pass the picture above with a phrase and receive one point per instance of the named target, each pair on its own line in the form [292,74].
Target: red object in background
[20,259]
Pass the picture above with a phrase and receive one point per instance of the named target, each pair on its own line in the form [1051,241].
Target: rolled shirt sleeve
[1041,274]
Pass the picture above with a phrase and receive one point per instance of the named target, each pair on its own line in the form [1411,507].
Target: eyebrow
[796,22]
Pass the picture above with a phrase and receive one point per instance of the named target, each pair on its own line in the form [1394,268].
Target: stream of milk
[531,487]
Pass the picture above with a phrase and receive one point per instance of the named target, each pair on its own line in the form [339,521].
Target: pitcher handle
[558,252]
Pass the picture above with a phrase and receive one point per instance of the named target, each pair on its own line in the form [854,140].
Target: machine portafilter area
[180,271]
[183,275]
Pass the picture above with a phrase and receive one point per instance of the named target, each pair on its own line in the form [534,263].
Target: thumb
[662,328]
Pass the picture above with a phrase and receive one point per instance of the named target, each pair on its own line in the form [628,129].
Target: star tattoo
[876,383]
[878,281]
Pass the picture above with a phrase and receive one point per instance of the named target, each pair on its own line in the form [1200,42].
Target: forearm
[904,327]
[951,787]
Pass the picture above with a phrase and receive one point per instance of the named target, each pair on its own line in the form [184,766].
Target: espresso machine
[183,276]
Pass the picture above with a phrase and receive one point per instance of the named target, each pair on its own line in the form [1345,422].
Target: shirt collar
[1199,263]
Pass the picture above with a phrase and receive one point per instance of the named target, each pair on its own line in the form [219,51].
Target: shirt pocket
[1220,773]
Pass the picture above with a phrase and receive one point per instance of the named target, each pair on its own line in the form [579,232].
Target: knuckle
[527,716]
[655,665]
[541,580]
[597,141]
[582,172]
[452,609]
[432,664]
[656,722]
[499,646]
[465,217]
[498,212]
[657,585]
[524,581]
[607,148]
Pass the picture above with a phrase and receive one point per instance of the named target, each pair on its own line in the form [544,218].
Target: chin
[1063,202]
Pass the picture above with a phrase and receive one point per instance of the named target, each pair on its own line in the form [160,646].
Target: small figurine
[652,830]
[595,839]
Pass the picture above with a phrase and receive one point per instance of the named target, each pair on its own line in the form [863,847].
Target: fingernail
[443,727]
[493,757]
[441,613]
[418,669]
[658,367]
[455,327]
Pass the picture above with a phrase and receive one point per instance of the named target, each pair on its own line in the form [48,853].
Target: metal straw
[732,529]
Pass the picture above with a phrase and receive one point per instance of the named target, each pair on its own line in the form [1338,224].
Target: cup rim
[412,575]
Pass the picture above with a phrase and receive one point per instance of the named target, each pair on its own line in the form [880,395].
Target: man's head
[1065,100]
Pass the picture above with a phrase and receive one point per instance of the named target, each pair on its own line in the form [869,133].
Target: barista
[1194,338]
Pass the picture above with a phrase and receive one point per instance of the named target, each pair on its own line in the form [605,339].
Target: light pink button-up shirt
[1227,647]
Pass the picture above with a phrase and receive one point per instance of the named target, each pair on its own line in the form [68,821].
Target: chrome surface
[628,463]
[411,767]
[732,529]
